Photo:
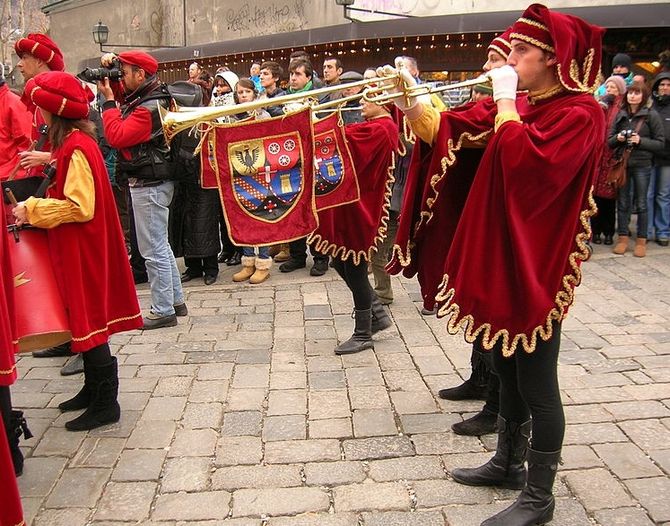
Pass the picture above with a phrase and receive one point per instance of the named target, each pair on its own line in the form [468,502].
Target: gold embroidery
[562,300]
[533,98]
[8,371]
[583,84]
[118,320]
[62,107]
[533,41]
[533,23]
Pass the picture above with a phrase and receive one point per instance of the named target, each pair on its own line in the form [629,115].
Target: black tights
[98,356]
[356,278]
[5,405]
[529,388]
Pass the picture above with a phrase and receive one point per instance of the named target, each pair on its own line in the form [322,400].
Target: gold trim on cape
[8,371]
[106,328]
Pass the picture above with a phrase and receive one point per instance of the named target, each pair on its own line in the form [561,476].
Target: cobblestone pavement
[243,416]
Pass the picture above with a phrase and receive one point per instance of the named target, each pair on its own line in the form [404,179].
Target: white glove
[399,86]
[106,59]
[505,81]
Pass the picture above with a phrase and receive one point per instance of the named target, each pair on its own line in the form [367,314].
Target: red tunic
[15,130]
[355,230]
[90,258]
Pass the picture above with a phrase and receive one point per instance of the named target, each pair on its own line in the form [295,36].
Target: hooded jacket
[662,106]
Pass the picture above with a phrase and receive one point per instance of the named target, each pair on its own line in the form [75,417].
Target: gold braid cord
[109,323]
[7,372]
[581,80]
[562,300]
[339,251]
[404,254]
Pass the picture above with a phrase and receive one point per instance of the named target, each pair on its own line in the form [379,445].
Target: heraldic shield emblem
[264,171]
[329,162]
[267,174]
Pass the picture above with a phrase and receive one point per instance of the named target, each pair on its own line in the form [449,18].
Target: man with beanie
[659,205]
[134,128]
[622,66]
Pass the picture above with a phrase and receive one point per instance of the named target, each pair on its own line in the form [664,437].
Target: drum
[41,320]
[22,190]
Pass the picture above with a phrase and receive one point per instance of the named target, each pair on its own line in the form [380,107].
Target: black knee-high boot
[475,387]
[506,469]
[15,426]
[101,386]
[380,318]
[535,504]
[362,337]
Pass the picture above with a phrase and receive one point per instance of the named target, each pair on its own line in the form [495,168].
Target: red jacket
[15,130]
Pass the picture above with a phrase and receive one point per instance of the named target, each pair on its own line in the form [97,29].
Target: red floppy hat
[60,93]
[42,47]
[501,44]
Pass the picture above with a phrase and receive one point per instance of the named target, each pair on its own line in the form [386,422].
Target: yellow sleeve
[78,205]
[506,116]
[426,126]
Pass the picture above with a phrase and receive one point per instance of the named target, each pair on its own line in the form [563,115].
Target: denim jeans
[150,209]
[263,252]
[658,203]
[637,185]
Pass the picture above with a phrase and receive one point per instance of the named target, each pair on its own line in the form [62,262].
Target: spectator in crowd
[622,66]
[269,77]
[659,195]
[302,54]
[255,76]
[639,129]
[351,110]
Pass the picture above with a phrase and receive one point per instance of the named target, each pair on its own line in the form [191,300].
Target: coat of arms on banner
[267,174]
[335,177]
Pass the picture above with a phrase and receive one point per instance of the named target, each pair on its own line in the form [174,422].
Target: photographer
[135,130]
[640,129]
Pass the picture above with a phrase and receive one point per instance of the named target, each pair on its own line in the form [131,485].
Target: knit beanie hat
[619,82]
[621,59]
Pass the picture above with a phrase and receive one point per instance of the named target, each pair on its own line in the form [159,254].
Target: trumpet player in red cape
[86,244]
[351,233]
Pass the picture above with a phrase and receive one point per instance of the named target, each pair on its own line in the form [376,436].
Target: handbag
[618,171]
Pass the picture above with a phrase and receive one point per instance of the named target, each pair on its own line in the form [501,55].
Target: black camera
[97,74]
[627,134]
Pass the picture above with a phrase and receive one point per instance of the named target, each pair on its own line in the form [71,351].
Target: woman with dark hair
[640,130]
[86,243]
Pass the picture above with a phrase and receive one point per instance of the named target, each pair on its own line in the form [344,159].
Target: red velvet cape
[355,230]
[90,259]
[11,513]
[514,252]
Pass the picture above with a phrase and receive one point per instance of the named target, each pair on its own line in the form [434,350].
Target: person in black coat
[658,199]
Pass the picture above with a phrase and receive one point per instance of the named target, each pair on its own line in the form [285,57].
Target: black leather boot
[380,318]
[362,337]
[483,423]
[17,427]
[475,387]
[535,504]
[506,469]
[103,407]
[54,352]
[83,398]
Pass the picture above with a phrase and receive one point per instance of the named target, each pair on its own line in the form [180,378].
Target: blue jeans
[263,252]
[150,209]
[637,185]
[658,203]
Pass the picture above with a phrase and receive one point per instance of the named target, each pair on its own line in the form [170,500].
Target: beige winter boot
[262,270]
[621,245]
[640,249]
[248,269]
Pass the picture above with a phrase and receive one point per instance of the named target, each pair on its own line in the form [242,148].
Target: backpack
[183,144]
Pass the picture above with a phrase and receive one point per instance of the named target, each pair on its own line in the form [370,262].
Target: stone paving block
[322,380]
[593,434]
[328,404]
[208,505]
[175,386]
[279,501]
[371,496]
[129,401]
[586,414]
[64,517]
[377,448]
[623,517]
[404,380]
[652,493]
[396,362]
[79,487]
[442,443]
[647,434]
[189,474]
[240,477]
[215,371]
[404,518]
[251,376]
[151,434]
[139,464]
[98,452]
[288,361]
[406,468]
[288,380]
[164,408]
[254,356]
[311,519]
[330,428]
[40,474]
[362,376]
[161,371]
[469,515]
[428,422]
[579,457]
[284,427]
[374,422]
[369,397]
[626,461]
[126,501]
[193,443]
[432,493]
[238,450]
[324,363]
[286,452]
[242,423]
[246,399]
[202,391]
[413,402]
[200,416]
[597,489]
[333,473]
[433,364]
[287,402]
[662,458]
[597,395]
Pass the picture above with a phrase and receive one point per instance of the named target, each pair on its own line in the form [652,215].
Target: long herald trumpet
[174,122]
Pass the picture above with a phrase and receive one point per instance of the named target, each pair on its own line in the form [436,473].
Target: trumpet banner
[335,179]
[265,174]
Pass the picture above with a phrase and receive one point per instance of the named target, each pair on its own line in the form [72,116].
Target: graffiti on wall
[273,17]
